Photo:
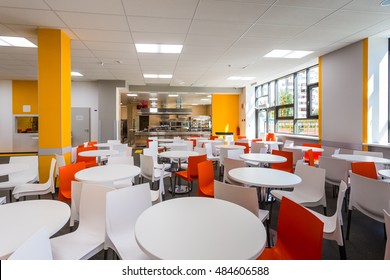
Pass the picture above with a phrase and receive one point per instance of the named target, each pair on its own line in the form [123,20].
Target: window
[291,104]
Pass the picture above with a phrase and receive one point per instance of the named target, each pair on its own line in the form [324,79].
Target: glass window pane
[261,122]
[313,75]
[286,112]
[272,94]
[285,126]
[314,101]
[307,127]
[258,91]
[264,91]
[301,95]
[271,120]
[285,91]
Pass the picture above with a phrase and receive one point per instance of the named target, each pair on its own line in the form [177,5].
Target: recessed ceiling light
[153,98]
[132,94]
[158,48]
[173,95]
[205,99]
[209,96]
[16,42]
[234,78]
[247,78]
[237,78]
[157,76]
[385,3]
[287,54]
[76,74]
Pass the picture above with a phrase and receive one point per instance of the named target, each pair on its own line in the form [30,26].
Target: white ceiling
[221,38]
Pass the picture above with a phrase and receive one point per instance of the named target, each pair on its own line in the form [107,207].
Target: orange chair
[89,161]
[299,234]
[270,137]
[315,154]
[213,137]
[257,140]
[246,145]
[366,169]
[311,157]
[191,174]
[241,137]
[288,165]
[91,143]
[66,175]
[205,179]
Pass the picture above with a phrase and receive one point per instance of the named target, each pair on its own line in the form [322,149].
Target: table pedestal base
[179,189]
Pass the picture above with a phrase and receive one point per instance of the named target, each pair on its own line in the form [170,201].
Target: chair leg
[52,196]
[268,234]
[343,254]
[325,210]
[349,223]
[105,255]
[10,196]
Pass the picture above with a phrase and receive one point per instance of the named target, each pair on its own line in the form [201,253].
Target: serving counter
[141,136]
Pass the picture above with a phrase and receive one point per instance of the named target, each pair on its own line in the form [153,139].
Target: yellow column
[54,97]
[365,95]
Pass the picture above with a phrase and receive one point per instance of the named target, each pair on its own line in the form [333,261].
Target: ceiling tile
[329,4]
[30,17]
[94,21]
[103,35]
[109,46]
[231,29]
[113,7]
[36,4]
[275,31]
[164,25]
[158,38]
[367,6]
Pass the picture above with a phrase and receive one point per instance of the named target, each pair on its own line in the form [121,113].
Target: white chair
[333,226]
[75,203]
[158,195]
[229,164]
[89,237]
[149,172]
[177,139]
[2,200]
[258,148]
[37,189]
[201,151]
[387,223]
[36,247]
[31,175]
[297,155]
[151,151]
[215,143]
[311,191]
[122,160]
[235,153]
[369,196]
[190,145]
[245,197]
[123,207]
[209,152]
[336,170]
[60,162]
[378,166]
[121,148]
[288,143]
[113,141]
[129,151]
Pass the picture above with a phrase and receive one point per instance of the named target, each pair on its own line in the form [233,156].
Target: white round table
[8,168]
[22,219]
[198,228]
[264,177]
[306,148]
[361,158]
[263,158]
[170,145]
[107,173]
[98,154]
[230,147]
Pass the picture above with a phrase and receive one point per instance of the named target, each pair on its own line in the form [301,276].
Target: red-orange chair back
[213,137]
[246,145]
[270,137]
[257,140]
[288,165]
[299,234]
[206,179]
[66,176]
[366,169]
[89,161]
[192,168]
[92,143]
[241,137]
[315,154]
[310,154]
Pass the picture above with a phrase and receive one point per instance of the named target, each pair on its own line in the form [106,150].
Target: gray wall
[342,95]
[107,108]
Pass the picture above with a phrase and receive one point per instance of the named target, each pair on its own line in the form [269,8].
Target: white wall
[86,94]
[377,90]
[6,117]
[342,95]
[250,112]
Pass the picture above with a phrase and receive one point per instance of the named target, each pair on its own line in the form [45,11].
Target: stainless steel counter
[141,136]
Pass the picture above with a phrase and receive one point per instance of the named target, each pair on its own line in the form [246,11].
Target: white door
[80,126]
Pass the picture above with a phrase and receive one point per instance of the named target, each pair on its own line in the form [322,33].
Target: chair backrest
[177,139]
[366,169]
[246,145]
[288,143]
[31,174]
[229,164]
[92,209]
[113,141]
[201,151]
[121,148]
[123,207]
[190,145]
[216,142]
[313,181]
[369,196]
[121,160]
[235,153]
[258,147]
[205,176]
[315,154]
[310,155]
[336,169]
[297,154]
[213,137]
[192,168]
[91,143]
[129,151]
[151,152]
[285,166]
[336,151]
[60,162]
[146,165]
[270,137]
[179,147]
[76,187]
[387,224]
[36,247]
[67,174]
[368,153]
[87,160]
[257,140]
[245,197]
[299,232]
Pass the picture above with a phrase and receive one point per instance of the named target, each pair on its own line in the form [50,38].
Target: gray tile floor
[367,238]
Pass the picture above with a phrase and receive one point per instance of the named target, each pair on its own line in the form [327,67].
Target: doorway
[143,122]
[81,124]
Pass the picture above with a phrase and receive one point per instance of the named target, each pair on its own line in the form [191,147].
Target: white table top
[268,158]
[22,219]
[231,147]
[178,154]
[98,153]
[170,145]
[361,158]
[104,145]
[199,228]
[165,140]
[385,173]
[264,177]
[271,142]
[107,173]
[8,168]
[306,148]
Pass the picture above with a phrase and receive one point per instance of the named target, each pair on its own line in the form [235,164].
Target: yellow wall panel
[24,93]
[225,113]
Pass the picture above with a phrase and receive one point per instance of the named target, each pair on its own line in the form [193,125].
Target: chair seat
[207,191]
[329,225]
[274,254]
[298,198]
[30,189]
[263,215]
[128,249]
[160,165]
